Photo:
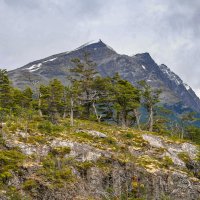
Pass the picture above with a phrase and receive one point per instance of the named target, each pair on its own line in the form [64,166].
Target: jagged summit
[144,56]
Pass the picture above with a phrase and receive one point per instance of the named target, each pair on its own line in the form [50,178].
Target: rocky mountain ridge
[133,69]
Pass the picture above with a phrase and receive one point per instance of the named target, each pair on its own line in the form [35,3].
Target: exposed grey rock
[29,149]
[172,149]
[82,152]
[93,133]
[190,149]
[176,160]
[33,149]
[154,141]
[22,134]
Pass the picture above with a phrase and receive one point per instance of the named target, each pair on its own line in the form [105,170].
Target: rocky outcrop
[147,167]
[92,133]
[81,152]
[172,150]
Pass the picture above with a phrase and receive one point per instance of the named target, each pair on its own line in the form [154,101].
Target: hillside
[94,161]
[131,68]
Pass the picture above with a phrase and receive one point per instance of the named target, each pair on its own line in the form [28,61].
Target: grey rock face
[81,152]
[133,69]
[93,133]
[172,150]
[120,182]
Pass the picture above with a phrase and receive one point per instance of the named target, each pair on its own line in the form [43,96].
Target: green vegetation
[167,161]
[89,96]
[34,117]
[55,172]
[184,157]
[10,161]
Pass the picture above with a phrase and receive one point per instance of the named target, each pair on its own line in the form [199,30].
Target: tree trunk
[123,119]
[88,104]
[1,128]
[137,117]
[39,105]
[151,119]
[65,108]
[96,113]
[72,112]
[65,113]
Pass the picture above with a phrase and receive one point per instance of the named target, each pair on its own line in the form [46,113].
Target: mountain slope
[133,69]
[95,161]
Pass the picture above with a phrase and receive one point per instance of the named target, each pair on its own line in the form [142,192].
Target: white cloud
[169,30]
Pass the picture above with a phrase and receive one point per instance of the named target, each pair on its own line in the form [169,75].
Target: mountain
[132,68]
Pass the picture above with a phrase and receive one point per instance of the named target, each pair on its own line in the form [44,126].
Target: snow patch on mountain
[50,60]
[34,67]
[171,75]
[143,67]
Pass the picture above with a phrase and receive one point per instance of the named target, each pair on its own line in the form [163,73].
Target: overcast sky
[168,29]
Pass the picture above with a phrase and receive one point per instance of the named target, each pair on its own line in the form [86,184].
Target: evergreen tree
[73,93]
[85,72]
[185,121]
[162,120]
[126,98]
[17,98]
[100,97]
[5,90]
[27,97]
[150,98]
[51,99]
[193,133]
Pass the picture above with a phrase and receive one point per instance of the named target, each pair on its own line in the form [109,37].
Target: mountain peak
[95,45]
[145,55]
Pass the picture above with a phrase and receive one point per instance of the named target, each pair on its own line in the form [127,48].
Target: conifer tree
[27,97]
[51,96]
[5,90]
[125,97]
[150,99]
[101,96]
[85,72]
[73,93]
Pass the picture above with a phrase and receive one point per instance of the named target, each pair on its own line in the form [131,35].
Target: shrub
[167,161]
[49,128]
[60,151]
[184,157]
[56,174]
[4,176]
[128,136]
[10,160]
[30,184]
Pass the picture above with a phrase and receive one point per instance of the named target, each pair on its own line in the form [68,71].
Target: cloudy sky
[168,29]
